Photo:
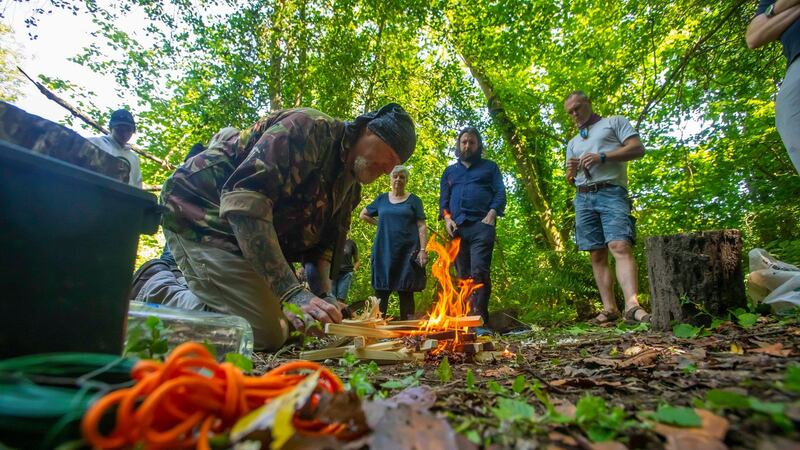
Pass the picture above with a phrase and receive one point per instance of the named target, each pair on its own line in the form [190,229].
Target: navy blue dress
[396,244]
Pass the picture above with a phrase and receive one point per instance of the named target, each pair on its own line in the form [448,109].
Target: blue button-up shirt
[468,193]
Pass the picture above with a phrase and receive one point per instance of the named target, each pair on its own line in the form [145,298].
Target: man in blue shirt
[472,195]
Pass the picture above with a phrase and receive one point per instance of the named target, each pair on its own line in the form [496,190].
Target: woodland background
[680,71]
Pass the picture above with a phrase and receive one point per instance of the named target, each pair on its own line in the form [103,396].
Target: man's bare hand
[450,226]
[491,217]
[316,308]
[572,167]
[589,160]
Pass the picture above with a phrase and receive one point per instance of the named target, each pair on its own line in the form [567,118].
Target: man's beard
[361,166]
[472,158]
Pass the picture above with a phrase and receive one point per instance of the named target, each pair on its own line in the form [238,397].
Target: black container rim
[18,155]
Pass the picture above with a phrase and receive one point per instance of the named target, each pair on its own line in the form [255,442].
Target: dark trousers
[406,303]
[474,261]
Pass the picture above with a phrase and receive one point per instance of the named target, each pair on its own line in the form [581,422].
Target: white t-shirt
[109,145]
[605,135]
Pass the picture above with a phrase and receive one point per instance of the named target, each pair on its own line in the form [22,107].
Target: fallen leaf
[602,361]
[736,348]
[697,353]
[644,358]
[563,439]
[564,407]
[486,357]
[694,442]
[633,350]
[502,371]
[584,382]
[775,349]
[609,445]
[576,372]
[417,397]
[343,407]
[277,414]
[605,445]
[708,436]
[406,428]
[777,443]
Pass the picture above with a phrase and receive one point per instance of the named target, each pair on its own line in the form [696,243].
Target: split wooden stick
[340,329]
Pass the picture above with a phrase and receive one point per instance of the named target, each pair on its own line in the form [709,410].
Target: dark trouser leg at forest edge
[474,261]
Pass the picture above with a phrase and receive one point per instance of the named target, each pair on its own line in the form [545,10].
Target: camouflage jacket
[287,169]
[51,139]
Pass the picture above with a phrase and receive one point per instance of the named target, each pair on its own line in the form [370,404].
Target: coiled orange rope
[181,402]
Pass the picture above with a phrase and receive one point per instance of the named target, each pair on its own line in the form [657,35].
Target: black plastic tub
[68,240]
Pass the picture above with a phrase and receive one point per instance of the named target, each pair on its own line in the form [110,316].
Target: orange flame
[453,298]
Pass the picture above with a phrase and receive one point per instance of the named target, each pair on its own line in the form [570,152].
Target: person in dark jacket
[471,198]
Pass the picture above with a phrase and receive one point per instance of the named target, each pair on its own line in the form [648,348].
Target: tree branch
[89,121]
[684,62]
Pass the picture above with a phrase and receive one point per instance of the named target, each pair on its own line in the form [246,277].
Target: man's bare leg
[627,274]
[602,276]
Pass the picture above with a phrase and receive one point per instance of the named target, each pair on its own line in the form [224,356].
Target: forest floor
[734,386]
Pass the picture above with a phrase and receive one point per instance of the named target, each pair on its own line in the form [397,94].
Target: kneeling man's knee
[271,337]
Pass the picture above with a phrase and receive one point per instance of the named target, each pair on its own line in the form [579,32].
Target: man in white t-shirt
[596,164]
[122,127]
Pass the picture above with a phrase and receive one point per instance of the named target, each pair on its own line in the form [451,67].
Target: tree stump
[694,273]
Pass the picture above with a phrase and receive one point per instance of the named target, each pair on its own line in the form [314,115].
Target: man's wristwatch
[602,157]
[770,11]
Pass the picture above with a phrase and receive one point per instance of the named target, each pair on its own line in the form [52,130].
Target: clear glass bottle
[226,333]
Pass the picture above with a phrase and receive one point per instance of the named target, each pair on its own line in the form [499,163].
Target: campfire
[444,328]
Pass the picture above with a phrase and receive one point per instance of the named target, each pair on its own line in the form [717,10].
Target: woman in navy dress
[398,252]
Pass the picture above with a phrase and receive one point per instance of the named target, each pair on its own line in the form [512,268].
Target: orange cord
[181,402]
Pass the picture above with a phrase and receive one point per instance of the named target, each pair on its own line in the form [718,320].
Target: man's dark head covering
[473,131]
[392,124]
[195,150]
[121,117]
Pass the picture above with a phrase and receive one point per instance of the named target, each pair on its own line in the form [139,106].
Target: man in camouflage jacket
[280,192]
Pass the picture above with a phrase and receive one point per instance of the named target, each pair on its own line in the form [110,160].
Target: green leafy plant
[598,421]
[411,380]
[444,372]
[721,399]
[242,362]
[623,328]
[676,415]
[512,410]
[307,336]
[791,380]
[495,387]
[686,331]
[745,319]
[470,380]
[358,378]
[148,339]
[519,384]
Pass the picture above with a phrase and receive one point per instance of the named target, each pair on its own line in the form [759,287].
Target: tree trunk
[527,169]
[694,276]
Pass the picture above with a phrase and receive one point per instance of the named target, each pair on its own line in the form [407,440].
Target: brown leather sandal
[604,318]
[630,316]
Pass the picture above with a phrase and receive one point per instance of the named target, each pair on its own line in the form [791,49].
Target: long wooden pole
[89,121]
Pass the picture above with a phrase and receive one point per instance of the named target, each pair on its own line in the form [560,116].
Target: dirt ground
[736,377]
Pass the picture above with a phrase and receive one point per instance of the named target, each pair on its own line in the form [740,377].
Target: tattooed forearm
[259,244]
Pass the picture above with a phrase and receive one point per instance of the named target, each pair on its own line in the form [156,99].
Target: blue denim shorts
[602,217]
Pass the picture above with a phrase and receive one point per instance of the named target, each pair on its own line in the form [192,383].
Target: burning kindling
[444,328]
